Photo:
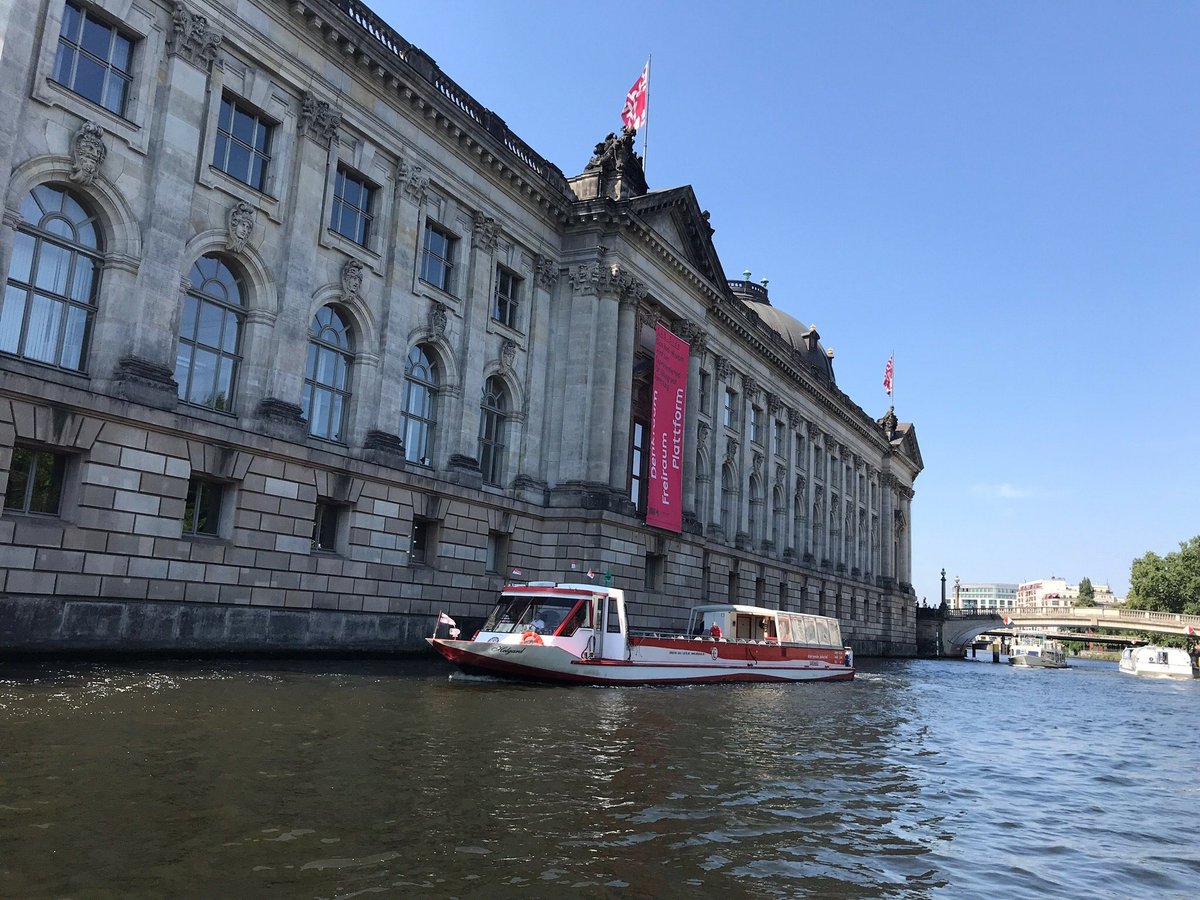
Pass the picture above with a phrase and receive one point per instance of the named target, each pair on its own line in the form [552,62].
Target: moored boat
[579,633]
[1158,662]
[1036,652]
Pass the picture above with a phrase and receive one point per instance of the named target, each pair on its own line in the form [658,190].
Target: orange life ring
[531,637]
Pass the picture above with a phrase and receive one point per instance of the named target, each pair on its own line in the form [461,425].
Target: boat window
[508,614]
[614,619]
[810,630]
[542,614]
[824,632]
[575,620]
[785,630]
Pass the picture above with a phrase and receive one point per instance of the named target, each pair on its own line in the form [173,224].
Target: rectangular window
[325,526]
[756,424]
[437,257]
[731,416]
[94,59]
[423,546]
[801,452]
[780,438]
[638,462]
[508,294]
[353,202]
[656,563]
[497,552]
[202,508]
[243,149]
[705,391]
[35,481]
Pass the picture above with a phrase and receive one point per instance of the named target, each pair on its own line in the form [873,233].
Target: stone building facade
[300,344]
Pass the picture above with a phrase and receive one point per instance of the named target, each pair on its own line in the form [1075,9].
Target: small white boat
[579,633]
[1158,662]
[1037,653]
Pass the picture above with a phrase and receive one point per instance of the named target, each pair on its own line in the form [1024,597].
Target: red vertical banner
[664,503]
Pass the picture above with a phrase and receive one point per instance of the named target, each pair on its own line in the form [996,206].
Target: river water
[921,778]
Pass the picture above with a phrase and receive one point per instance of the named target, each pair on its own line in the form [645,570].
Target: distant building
[1056,592]
[981,597]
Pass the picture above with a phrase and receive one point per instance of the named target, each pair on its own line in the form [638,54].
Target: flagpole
[646,127]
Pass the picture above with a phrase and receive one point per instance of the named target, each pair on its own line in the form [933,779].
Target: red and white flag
[516,573]
[444,619]
[592,574]
[887,375]
[633,115]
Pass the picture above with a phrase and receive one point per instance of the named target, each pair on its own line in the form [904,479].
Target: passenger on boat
[715,631]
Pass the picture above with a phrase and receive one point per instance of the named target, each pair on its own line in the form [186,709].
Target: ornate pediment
[678,222]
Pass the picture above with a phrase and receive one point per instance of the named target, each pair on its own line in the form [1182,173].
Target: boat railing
[709,639]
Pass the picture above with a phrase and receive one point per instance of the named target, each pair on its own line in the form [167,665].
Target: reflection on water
[330,780]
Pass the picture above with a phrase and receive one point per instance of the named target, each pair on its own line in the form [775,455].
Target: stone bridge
[949,632]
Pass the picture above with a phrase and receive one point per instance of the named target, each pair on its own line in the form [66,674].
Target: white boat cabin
[755,623]
[593,620]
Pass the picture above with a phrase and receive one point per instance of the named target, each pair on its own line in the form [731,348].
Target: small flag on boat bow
[444,619]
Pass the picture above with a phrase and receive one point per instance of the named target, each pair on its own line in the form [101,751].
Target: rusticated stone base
[57,626]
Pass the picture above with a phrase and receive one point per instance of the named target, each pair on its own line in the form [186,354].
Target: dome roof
[803,339]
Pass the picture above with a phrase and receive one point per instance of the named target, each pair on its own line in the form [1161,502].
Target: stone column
[400,323]
[473,352]
[147,353]
[532,462]
[906,538]
[887,526]
[578,347]
[301,270]
[749,393]
[623,342]
[724,372]
[696,339]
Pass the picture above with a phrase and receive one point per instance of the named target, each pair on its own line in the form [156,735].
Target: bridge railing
[1102,613]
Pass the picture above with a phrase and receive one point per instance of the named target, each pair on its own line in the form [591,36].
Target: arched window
[729,497]
[50,295]
[800,534]
[756,511]
[818,548]
[779,518]
[209,352]
[421,378]
[327,375]
[491,430]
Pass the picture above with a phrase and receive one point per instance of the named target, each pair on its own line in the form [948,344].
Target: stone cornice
[408,74]
[776,352]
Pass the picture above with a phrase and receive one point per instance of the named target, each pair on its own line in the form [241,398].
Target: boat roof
[752,610]
[549,587]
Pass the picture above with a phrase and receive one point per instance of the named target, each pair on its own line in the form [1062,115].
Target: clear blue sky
[1005,195]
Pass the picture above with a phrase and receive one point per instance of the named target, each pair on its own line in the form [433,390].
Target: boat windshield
[540,614]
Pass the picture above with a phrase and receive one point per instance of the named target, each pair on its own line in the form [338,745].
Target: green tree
[1087,593]
[1168,583]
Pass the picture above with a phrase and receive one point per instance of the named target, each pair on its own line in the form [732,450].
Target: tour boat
[1037,653]
[1158,662]
[579,633]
